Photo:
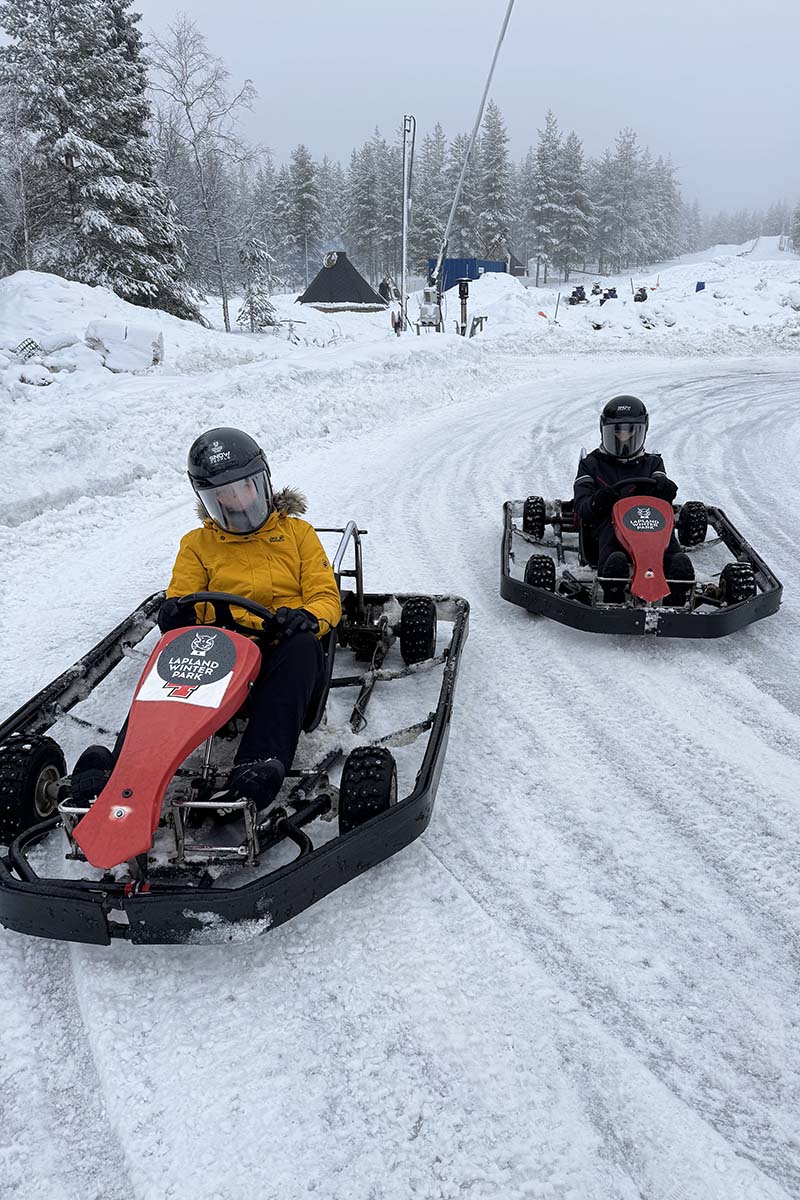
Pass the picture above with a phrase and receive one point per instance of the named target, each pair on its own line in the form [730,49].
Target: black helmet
[623,427]
[230,476]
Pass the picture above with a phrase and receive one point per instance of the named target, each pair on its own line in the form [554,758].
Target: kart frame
[634,617]
[163,910]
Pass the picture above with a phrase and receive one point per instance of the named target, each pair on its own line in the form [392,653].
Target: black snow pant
[291,674]
[619,567]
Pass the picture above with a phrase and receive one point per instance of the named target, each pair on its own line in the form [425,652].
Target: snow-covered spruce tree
[494,218]
[201,115]
[690,236]
[794,229]
[546,204]
[464,231]
[331,185]
[629,203]
[304,225]
[22,200]
[362,210]
[603,192]
[665,204]
[387,157]
[430,205]
[526,191]
[78,67]
[257,312]
[574,221]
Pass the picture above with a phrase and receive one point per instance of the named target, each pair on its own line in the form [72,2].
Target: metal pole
[443,249]
[409,128]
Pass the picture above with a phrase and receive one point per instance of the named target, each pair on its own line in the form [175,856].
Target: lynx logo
[644,513]
[203,642]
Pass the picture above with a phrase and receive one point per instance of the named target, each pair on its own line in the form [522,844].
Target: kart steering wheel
[223,616]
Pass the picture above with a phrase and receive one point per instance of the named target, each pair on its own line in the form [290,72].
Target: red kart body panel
[643,525]
[195,680]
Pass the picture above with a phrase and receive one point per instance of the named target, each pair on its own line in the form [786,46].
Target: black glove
[664,488]
[603,502]
[173,615]
[289,621]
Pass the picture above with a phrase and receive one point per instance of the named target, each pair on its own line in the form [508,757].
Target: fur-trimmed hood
[288,502]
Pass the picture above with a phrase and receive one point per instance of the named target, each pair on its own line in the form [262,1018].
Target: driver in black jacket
[600,482]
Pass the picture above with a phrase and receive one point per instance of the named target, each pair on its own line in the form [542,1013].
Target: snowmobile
[140,864]
[733,585]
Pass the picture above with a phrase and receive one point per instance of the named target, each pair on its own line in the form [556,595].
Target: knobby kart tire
[533,517]
[418,630]
[28,765]
[737,582]
[692,524]
[540,571]
[368,786]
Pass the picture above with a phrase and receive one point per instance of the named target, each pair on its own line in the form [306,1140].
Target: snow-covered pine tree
[629,219]
[331,186]
[464,232]
[691,229]
[664,197]
[546,204]
[304,225]
[78,69]
[526,197]
[21,200]
[429,206]
[494,217]
[602,191]
[794,229]
[362,210]
[573,223]
[387,158]
[257,312]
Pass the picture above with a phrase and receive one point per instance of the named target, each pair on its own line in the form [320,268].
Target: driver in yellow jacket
[253,544]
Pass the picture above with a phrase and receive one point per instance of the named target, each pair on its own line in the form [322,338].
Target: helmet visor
[624,439]
[239,507]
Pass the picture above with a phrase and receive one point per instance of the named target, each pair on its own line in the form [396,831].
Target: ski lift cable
[436,275]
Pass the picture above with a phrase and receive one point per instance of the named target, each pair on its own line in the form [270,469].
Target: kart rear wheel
[533,517]
[30,768]
[418,630]
[692,524]
[737,582]
[368,786]
[540,571]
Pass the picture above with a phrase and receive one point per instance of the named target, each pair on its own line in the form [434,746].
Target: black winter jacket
[597,470]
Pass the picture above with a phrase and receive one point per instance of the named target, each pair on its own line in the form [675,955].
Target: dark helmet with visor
[231,479]
[623,427]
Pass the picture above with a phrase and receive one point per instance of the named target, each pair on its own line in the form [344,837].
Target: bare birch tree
[199,111]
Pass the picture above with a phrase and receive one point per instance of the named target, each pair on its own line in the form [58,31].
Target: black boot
[618,568]
[258,780]
[679,566]
[90,774]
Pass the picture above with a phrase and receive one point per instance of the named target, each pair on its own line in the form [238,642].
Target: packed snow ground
[581,983]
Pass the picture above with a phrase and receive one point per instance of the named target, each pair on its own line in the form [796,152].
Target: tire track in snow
[462,472]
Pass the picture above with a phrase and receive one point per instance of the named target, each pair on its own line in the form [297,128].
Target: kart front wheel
[540,571]
[418,630]
[368,786]
[737,582]
[30,768]
[692,524]
[533,517]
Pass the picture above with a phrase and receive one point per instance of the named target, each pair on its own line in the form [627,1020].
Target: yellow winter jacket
[283,564]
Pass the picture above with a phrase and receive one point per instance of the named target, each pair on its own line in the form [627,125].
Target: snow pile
[747,305]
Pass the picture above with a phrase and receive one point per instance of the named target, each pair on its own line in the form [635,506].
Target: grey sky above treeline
[714,83]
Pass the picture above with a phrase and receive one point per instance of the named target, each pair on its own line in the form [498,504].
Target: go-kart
[139,864]
[733,586]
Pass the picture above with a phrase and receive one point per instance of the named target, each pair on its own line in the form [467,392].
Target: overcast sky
[716,83]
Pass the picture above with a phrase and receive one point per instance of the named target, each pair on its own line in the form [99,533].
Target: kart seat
[316,709]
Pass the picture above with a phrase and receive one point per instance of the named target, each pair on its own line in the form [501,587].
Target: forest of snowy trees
[124,165]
